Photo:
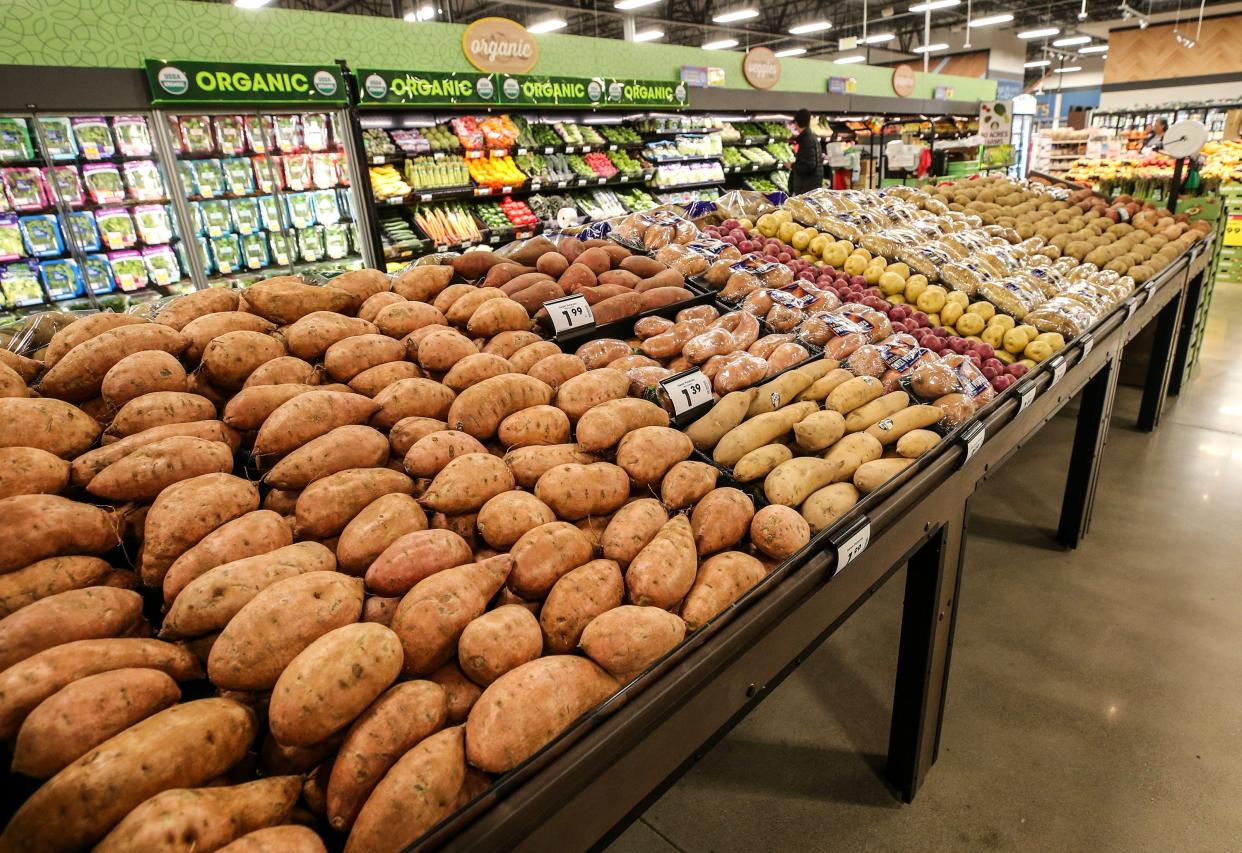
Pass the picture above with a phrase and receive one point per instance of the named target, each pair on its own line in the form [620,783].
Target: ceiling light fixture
[648,35]
[932,5]
[929,48]
[991,20]
[1082,13]
[1043,32]
[878,38]
[633,4]
[812,27]
[547,25]
[1095,48]
[850,60]
[736,15]
[1038,63]
[1072,41]
[720,44]
[424,12]
[1069,69]
[791,51]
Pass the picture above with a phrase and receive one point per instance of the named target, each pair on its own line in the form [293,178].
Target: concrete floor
[1095,699]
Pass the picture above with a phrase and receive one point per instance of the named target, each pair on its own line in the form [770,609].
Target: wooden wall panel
[1154,54]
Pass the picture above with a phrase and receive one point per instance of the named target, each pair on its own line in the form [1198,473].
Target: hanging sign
[499,45]
[1233,230]
[426,88]
[995,122]
[694,75]
[440,88]
[903,81]
[189,82]
[715,76]
[761,68]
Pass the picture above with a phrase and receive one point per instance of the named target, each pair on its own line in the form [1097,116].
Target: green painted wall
[121,33]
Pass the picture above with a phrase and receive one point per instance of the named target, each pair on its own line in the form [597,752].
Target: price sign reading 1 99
[687,391]
[570,313]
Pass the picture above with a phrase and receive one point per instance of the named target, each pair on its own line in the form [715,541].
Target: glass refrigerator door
[269,193]
[84,205]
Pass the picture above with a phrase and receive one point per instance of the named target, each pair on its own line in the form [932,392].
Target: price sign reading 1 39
[687,391]
[570,314]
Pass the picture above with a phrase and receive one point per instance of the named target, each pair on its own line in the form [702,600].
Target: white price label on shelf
[687,391]
[1131,308]
[466,244]
[569,149]
[1058,370]
[852,542]
[625,179]
[972,440]
[394,200]
[601,180]
[1088,343]
[1025,397]
[521,151]
[494,239]
[570,313]
[377,160]
[535,186]
[560,185]
[549,150]
[443,248]
[424,197]
[506,190]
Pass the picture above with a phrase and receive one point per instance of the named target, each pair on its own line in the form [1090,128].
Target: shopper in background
[808,167]
[1154,140]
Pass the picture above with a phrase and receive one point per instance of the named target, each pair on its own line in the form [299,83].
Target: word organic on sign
[500,45]
[450,88]
[215,82]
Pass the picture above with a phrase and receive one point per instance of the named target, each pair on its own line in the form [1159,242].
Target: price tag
[851,543]
[535,186]
[494,239]
[393,200]
[1025,397]
[612,148]
[549,150]
[498,152]
[687,391]
[424,197]
[521,151]
[442,248]
[569,149]
[570,313]
[481,191]
[466,244]
[560,185]
[625,179]
[972,440]
[1088,343]
[1058,370]
[506,190]
[377,160]
[601,180]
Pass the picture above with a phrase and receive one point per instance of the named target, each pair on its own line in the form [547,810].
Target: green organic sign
[440,89]
[188,82]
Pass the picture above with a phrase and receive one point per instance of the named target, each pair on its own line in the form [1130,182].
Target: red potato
[28,584]
[309,416]
[422,283]
[180,747]
[432,452]
[347,358]
[200,331]
[631,528]
[538,425]
[82,330]
[505,518]
[407,398]
[311,336]
[371,531]
[142,373]
[414,557]
[250,407]
[86,466]
[497,642]
[160,408]
[432,615]
[626,640]
[31,471]
[187,511]
[286,299]
[662,573]
[575,599]
[79,375]
[57,427]
[473,369]
[93,613]
[146,472]
[191,306]
[326,505]
[255,533]
[371,308]
[373,380]
[479,409]
[466,482]
[351,446]
[42,526]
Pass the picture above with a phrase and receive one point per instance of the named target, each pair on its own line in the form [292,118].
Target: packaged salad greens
[98,274]
[15,140]
[161,264]
[11,246]
[196,134]
[103,182]
[209,176]
[204,256]
[133,137]
[264,176]
[24,188]
[326,211]
[58,137]
[61,278]
[297,171]
[238,176]
[154,224]
[128,270]
[41,234]
[20,284]
[227,252]
[144,180]
[336,240]
[300,209]
[82,228]
[254,251]
[185,171]
[116,227]
[323,171]
[216,217]
[174,131]
[315,131]
[230,134]
[281,248]
[64,183]
[270,209]
[93,137]
[245,215]
[288,132]
[260,134]
[311,246]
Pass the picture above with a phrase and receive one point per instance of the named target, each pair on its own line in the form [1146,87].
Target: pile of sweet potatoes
[394,537]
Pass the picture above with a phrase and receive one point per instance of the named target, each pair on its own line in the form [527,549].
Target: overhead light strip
[812,27]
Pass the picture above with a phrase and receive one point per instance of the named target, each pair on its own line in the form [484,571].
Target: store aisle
[1093,703]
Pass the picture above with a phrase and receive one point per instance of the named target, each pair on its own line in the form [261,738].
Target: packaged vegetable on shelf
[153,223]
[288,132]
[41,235]
[695,257]
[315,133]
[97,274]
[143,180]
[129,270]
[93,137]
[15,142]
[19,283]
[24,188]
[736,280]
[161,263]
[254,250]
[230,134]
[655,229]
[245,215]
[82,227]
[63,182]
[195,134]
[116,227]
[11,244]
[62,278]
[103,182]
[58,137]
[843,331]
[954,384]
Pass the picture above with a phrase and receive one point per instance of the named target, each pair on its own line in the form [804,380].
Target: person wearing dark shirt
[1154,140]
[808,167]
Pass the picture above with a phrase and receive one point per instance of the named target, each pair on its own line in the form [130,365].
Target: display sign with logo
[944,93]
[842,85]
[694,76]
[995,122]
[761,68]
[715,76]
[189,82]
[1233,230]
[499,45]
[903,81]
[438,88]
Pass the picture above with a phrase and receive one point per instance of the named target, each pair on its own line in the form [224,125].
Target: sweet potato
[374,305]
[577,598]
[479,409]
[721,519]
[497,642]
[758,431]
[460,692]
[729,411]
[422,283]
[556,370]
[327,504]
[351,446]
[631,529]
[395,723]
[662,573]
[142,373]
[379,608]
[428,456]
[160,408]
[497,315]
[406,398]
[552,264]
[255,533]
[51,425]
[289,838]
[375,379]
[146,472]
[543,554]
[185,309]
[27,683]
[48,577]
[361,284]
[413,557]
[529,706]
[31,471]
[506,344]
[444,301]
[309,416]
[287,299]
[82,330]
[504,272]
[407,431]
[475,264]
[280,501]
[617,307]
[577,491]
[530,463]
[346,358]
[531,354]
[11,383]
[467,482]
[473,369]
[627,639]
[589,389]
[532,297]
[230,358]
[200,331]
[375,527]
[78,614]
[527,252]
[658,297]
[505,518]
[686,483]
[273,628]
[419,791]
[86,466]
[26,368]
[538,425]
[649,452]
[463,309]
[187,511]
[250,407]
[42,526]
[79,374]
[779,532]
[441,349]
[722,580]
[83,714]
[285,370]
[209,601]
[311,336]
[576,277]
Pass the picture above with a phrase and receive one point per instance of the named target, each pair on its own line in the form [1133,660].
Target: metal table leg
[1161,364]
[933,575]
[1091,434]
[1190,315]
